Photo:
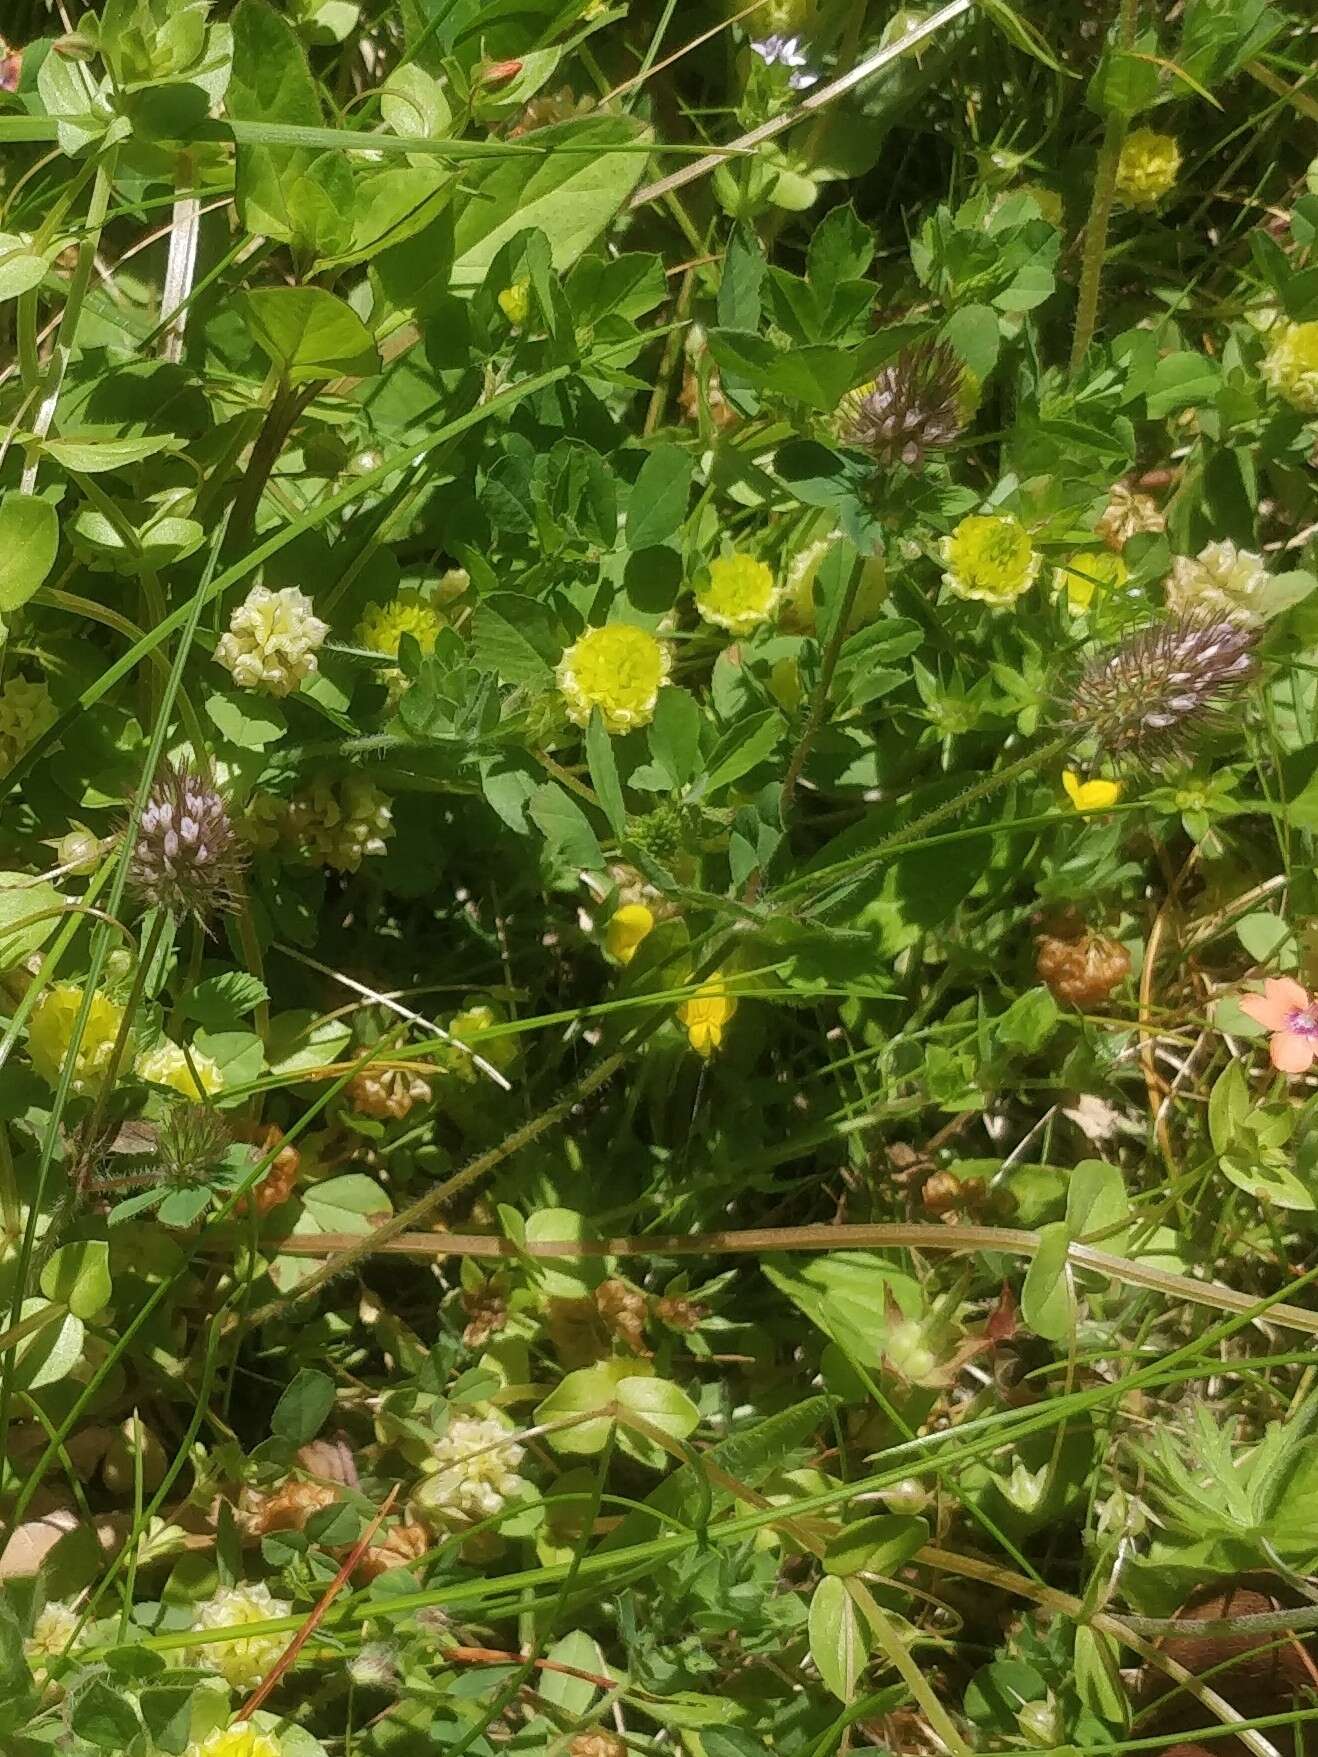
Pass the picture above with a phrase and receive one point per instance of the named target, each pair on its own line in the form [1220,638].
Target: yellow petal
[627,927]
[1090,795]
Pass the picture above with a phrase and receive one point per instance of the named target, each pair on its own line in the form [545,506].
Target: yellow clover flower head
[244,1661]
[50,1034]
[168,1065]
[705,1016]
[338,823]
[1095,795]
[515,303]
[26,710]
[272,641]
[240,1740]
[989,558]
[1290,366]
[737,593]
[618,669]
[628,926]
[1092,571]
[383,626]
[1147,168]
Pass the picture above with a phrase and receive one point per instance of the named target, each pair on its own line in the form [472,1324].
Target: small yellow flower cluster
[50,1034]
[1290,366]
[705,1016]
[989,558]
[52,1635]
[1092,571]
[168,1065]
[737,593]
[383,626]
[26,711]
[1221,581]
[243,1662]
[272,641]
[338,823]
[1096,795]
[1147,168]
[240,1740]
[473,1471]
[618,669]
[628,926]
[515,303]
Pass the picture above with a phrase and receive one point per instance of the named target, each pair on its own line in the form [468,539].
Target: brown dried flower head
[1082,972]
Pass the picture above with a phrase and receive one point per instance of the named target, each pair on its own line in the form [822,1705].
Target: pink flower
[1290,1013]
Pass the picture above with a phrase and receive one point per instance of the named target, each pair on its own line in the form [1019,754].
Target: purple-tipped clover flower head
[1150,697]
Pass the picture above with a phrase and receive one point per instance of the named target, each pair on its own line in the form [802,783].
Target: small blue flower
[780,51]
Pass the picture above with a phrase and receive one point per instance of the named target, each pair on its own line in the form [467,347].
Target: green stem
[11,1212]
[819,703]
[1100,210]
[913,832]
[97,209]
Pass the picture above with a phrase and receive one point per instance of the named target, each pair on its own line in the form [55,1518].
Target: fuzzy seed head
[1148,699]
[914,406]
[187,856]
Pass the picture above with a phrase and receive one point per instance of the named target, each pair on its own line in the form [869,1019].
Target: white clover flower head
[244,1661]
[782,51]
[52,1635]
[272,641]
[1221,581]
[473,1471]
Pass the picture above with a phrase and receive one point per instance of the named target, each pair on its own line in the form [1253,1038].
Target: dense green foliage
[659,733]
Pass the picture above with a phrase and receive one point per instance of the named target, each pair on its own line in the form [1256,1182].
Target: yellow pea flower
[705,1016]
[1090,795]
[627,927]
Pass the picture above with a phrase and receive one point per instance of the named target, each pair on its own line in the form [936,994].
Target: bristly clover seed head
[913,406]
[1148,699]
[186,856]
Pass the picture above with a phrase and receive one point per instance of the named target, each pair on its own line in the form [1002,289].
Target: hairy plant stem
[1100,210]
[819,701]
[915,830]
